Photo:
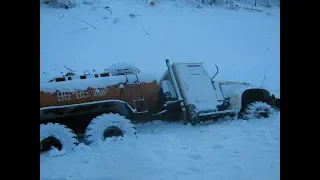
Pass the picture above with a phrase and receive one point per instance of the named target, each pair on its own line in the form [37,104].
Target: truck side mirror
[216,73]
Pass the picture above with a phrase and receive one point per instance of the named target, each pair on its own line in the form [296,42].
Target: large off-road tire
[57,135]
[111,126]
[257,110]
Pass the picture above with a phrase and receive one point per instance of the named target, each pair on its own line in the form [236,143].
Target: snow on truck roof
[177,63]
[114,68]
[94,82]
[111,76]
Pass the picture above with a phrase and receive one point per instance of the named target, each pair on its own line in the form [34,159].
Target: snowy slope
[227,150]
[245,46]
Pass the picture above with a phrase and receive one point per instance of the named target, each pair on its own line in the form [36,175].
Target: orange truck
[109,104]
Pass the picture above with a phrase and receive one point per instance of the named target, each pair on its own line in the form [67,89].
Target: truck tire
[256,110]
[57,135]
[108,126]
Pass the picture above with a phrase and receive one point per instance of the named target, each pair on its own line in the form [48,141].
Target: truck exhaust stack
[175,85]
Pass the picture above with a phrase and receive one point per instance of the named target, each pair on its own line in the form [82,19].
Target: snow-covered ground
[226,150]
[244,44]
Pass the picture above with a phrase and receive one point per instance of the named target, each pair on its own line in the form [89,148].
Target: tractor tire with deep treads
[108,126]
[55,134]
[257,110]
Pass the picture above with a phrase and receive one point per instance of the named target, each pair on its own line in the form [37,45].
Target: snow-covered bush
[212,2]
[200,3]
[91,2]
[234,4]
[151,2]
[271,3]
[265,3]
[61,3]
[70,3]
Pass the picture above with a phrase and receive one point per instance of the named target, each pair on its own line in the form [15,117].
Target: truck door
[196,86]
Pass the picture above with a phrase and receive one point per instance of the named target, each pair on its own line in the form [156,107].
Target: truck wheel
[257,110]
[108,126]
[57,135]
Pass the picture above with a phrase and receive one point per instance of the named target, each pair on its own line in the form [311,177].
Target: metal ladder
[141,99]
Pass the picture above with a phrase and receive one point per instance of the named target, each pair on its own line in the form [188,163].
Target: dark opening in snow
[104,74]
[60,79]
[253,95]
[112,131]
[47,143]
[83,77]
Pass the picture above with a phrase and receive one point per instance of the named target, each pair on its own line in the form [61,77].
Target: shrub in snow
[233,5]
[116,20]
[236,4]
[151,2]
[61,3]
[218,2]
[265,3]
[268,3]
[91,2]
[200,3]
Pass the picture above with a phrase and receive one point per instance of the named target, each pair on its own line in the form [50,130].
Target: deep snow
[233,150]
[244,44]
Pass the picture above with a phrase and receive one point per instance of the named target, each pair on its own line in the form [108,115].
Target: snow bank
[217,150]
[173,33]
[54,152]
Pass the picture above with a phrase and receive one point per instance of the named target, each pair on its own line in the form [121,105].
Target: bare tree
[61,3]
[269,4]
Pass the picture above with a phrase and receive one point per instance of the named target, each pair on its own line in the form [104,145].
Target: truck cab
[191,84]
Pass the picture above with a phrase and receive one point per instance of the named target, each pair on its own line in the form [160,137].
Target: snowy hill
[243,43]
